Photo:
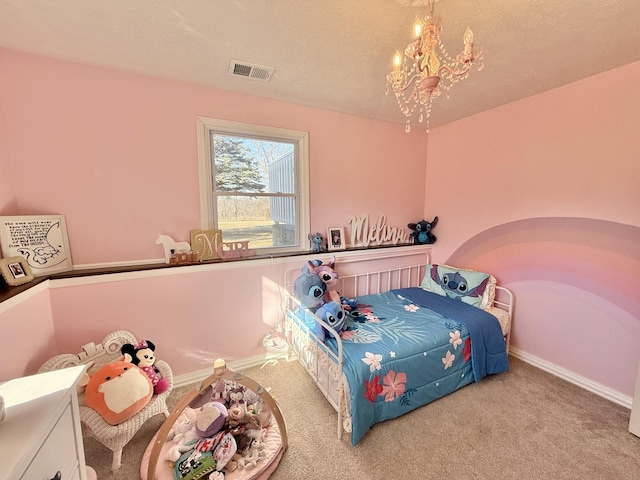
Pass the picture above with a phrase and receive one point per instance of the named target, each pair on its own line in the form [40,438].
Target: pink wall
[544,194]
[116,154]
[28,336]
[8,204]
[193,314]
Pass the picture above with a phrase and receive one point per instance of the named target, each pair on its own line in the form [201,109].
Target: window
[254,184]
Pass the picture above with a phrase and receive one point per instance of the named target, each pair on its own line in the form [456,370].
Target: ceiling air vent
[250,70]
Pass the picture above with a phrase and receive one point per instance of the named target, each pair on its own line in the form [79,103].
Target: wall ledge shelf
[82,274]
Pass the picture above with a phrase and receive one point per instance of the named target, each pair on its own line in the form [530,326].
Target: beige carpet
[524,424]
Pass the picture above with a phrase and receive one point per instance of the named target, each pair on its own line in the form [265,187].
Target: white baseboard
[569,376]
[235,365]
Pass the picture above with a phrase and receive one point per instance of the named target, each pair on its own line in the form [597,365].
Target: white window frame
[205,126]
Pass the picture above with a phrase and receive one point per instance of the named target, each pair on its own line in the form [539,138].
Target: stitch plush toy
[316,239]
[330,278]
[333,314]
[422,231]
[142,354]
[309,288]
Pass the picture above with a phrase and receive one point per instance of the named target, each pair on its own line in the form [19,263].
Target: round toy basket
[155,464]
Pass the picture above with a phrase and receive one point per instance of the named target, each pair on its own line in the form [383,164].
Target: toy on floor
[183,437]
[253,438]
[211,419]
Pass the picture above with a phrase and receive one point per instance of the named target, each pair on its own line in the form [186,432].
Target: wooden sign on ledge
[205,243]
[379,233]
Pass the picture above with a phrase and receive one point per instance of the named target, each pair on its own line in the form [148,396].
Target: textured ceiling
[332,54]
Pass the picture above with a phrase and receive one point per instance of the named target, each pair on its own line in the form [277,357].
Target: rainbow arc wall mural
[591,269]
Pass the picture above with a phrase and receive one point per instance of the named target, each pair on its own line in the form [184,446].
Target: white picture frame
[336,239]
[40,239]
[15,271]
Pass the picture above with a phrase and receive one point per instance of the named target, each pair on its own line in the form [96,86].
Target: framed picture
[15,271]
[335,238]
[40,239]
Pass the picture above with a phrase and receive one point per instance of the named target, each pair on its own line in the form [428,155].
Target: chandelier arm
[454,72]
[408,83]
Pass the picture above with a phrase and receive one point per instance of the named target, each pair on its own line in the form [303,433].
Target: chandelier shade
[425,70]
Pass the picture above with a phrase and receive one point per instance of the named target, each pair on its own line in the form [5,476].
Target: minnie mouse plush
[142,354]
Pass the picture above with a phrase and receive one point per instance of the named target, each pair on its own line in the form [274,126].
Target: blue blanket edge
[488,349]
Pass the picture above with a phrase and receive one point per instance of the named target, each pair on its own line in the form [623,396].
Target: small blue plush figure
[422,231]
[316,242]
[333,315]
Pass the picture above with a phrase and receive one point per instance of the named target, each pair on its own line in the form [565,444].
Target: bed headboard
[362,279]
[365,283]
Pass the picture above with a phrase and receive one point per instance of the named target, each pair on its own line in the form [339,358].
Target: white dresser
[40,438]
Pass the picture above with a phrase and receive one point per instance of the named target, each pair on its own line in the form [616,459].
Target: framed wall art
[15,271]
[335,238]
[40,239]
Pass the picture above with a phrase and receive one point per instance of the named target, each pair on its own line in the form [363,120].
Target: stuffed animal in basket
[210,419]
[422,231]
[183,438]
[143,355]
[117,391]
[255,453]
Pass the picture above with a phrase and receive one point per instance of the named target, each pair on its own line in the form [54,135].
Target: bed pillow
[470,286]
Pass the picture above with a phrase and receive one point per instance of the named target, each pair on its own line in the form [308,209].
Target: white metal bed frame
[322,364]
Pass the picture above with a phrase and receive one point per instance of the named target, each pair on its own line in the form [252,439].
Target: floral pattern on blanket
[408,349]
[403,356]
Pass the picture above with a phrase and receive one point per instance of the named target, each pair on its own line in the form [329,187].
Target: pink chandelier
[426,70]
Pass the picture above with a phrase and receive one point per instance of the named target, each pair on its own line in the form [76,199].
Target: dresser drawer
[57,453]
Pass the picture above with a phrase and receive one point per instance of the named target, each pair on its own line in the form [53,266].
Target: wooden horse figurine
[169,244]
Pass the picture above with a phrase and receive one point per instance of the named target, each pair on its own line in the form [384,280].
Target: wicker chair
[114,437]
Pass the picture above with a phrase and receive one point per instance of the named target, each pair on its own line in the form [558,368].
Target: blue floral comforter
[414,347]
